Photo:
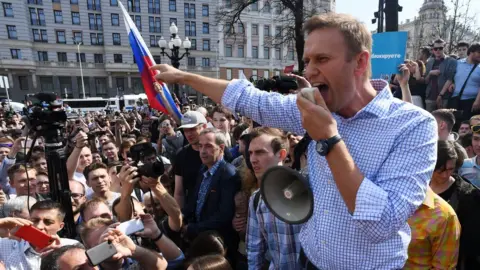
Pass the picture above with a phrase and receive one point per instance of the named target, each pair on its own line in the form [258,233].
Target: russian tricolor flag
[157,92]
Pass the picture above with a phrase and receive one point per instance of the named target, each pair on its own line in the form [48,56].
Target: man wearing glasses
[439,76]
[77,194]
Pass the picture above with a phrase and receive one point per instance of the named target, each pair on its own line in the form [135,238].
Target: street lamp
[80,61]
[174,45]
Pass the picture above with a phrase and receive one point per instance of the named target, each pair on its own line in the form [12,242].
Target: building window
[228,51]
[58,16]
[138,22]
[96,39]
[266,74]
[154,24]
[206,28]
[133,5]
[77,37]
[278,9]
[190,28]
[46,84]
[189,10]
[120,84]
[240,51]
[229,74]
[16,53]
[116,39]
[194,44]
[61,37]
[173,20]
[62,57]
[101,86]
[154,41]
[113,2]
[205,62]
[266,52]
[255,74]
[278,31]
[94,5]
[117,58]
[82,57]
[255,29]
[12,31]
[7,9]
[266,7]
[75,2]
[241,29]
[191,61]
[98,58]
[228,3]
[154,6]
[95,21]
[37,17]
[254,51]
[35,2]
[205,11]
[115,19]
[172,5]
[240,73]
[278,53]
[266,30]
[254,6]
[206,45]
[23,83]
[277,72]
[290,55]
[42,56]
[76,18]
[40,35]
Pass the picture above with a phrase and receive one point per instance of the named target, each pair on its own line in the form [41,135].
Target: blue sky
[364,11]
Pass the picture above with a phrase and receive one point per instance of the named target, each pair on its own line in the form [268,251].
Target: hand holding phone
[100,253]
[34,236]
[131,226]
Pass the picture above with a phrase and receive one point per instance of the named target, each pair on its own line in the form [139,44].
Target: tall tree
[289,14]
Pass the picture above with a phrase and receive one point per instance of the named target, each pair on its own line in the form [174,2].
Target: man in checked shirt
[371,156]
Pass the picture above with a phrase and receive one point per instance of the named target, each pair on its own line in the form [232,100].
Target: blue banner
[388,52]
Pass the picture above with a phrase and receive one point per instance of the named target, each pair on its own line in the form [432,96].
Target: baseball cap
[192,119]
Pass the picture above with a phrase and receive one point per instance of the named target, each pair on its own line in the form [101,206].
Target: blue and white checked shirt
[205,186]
[266,234]
[393,143]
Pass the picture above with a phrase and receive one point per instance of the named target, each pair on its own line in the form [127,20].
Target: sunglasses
[475,129]
[438,48]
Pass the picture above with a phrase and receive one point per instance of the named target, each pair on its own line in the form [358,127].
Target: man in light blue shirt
[371,156]
[470,98]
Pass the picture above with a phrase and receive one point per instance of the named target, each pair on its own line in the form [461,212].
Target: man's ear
[62,224]
[282,154]
[363,61]
[222,147]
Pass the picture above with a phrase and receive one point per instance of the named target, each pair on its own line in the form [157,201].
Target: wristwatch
[324,146]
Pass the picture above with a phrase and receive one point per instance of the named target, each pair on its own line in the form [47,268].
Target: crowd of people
[398,189]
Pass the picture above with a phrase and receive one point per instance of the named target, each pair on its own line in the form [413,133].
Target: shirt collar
[429,199]
[213,169]
[379,106]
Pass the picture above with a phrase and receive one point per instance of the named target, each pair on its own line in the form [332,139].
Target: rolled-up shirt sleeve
[386,201]
[266,108]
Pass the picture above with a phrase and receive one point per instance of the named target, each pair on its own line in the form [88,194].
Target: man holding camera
[367,178]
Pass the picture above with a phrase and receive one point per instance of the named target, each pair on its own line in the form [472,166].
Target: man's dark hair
[466,140]
[439,41]
[49,205]
[91,204]
[50,261]
[445,115]
[462,44]
[475,47]
[279,140]
[426,51]
[206,243]
[238,130]
[446,152]
[92,167]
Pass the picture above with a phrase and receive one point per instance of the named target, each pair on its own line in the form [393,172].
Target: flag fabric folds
[157,92]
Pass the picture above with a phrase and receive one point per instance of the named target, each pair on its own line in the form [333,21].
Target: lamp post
[80,61]
[174,45]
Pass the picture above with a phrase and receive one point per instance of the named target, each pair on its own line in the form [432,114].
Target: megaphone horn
[287,195]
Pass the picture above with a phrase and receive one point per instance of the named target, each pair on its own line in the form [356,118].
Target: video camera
[45,113]
[280,84]
[138,152]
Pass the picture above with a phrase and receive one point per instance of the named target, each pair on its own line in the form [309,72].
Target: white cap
[192,119]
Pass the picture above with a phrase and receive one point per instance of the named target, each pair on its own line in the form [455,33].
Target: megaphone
[287,195]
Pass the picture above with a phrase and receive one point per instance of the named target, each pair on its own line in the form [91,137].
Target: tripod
[58,176]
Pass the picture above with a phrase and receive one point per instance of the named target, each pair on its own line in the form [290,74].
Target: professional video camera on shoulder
[46,115]
[139,153]
[280,84]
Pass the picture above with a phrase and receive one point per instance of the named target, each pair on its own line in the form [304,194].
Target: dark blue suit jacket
[219,206]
